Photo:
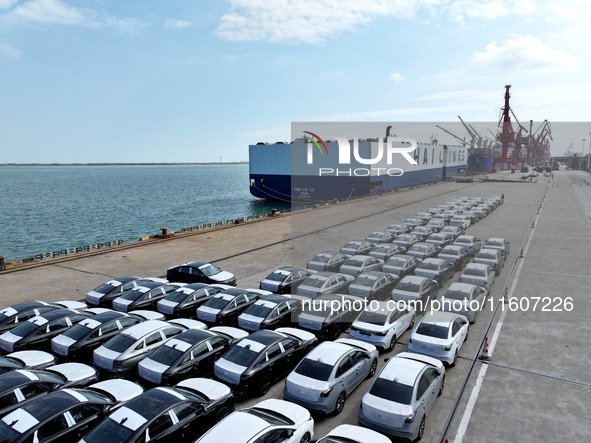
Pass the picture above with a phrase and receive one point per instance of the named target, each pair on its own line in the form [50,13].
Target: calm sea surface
[50,208]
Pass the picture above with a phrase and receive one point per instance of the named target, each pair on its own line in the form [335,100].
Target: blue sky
[193,81]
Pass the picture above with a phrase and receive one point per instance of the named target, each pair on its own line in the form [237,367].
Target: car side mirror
[290,433]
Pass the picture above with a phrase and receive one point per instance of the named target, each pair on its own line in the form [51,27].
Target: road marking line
[478,385]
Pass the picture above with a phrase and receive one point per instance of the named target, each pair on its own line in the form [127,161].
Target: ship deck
[537,384]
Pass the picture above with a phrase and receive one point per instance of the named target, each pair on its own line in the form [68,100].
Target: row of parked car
[166,354]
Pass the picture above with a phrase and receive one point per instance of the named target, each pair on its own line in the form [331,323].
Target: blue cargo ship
[480,161]
[286,171]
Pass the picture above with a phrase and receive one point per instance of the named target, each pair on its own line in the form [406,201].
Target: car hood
[210,388]
[426,273]
[122,390]
[104,357]
[74,372]
[235,333]
[222,276]
[151,370]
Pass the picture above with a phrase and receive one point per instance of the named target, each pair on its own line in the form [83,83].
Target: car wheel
[305,438]
[412,322]
[264,387]
[453,363]
[392,343]
[222,412]
[421,429]
[340,404]
[337,332]
[372,369]
[442,384]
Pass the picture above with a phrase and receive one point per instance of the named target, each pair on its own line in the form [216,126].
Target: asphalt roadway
[537,385]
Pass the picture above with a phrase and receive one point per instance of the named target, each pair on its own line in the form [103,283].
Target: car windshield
[431,330]
[447,251]
[475,271]
[166,355]
[23,329]
[314,369]
[209,270]
[374,318]
[355,263]
[463,241]
[456,295]
[420,248]
[493,243]
[134,294]
[76,332]
[381,248]
[352,245]
[259,311]
[216,303]
[119,343]
[276,276]
[177,296]
[241,355]
[429,266]
[321,259]
[314,282]
[271,417]
[104,288]
[365,281]
[109,430]
[408,286]
[392,390]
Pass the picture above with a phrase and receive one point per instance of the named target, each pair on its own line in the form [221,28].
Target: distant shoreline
[124,164]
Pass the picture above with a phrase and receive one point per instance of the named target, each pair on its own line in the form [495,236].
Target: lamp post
[584,150]
[589,156]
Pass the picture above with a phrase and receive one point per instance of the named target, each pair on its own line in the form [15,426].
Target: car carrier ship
[283,171]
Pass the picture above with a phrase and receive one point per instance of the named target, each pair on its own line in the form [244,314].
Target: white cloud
[125,25]
[9,51]
[51,11]
[172,23]
[523,53]
[397,77]
[6,4]
[305,21]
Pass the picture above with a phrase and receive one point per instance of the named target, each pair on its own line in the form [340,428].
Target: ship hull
[283,172]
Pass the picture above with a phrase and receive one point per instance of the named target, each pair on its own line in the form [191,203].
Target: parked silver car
[359,264]
[384,251]
[330,373]
[479,275]
[470,242]
[495,258]
[380,237]
[465,299]
[357,247]
[323,283]
[383,325]
[439,335]
[400,397]
[498,243]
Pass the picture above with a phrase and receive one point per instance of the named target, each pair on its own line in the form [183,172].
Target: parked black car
[373,285]
[284,280]
[17,388]
[200,272]
[270,312]
[224,308]
[37,332]
[171,414]
[184,301]
[78,342]
[456,255]
[436,269]
[401,265]
[26,360]
[144,296]
[63,415]
[110,289]
[15,314]
[256,362]
[189,354]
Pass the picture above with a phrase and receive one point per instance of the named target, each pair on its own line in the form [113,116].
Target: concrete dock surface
[537,385]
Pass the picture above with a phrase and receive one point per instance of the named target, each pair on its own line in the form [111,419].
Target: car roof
[145,327]
[452,248]
[196,264]
[462,287]
[151,403]
[265,337]
[25,306]
[415,279]
[55,313]
[192,336]
[476,266]
[434,261]
[377,274]
[232,291]
[438,317]
[495,239]
[239,424]
[329,352]
[289,268]
[148,284]
[108,316]
[402,370]
[10,379]
[53,403]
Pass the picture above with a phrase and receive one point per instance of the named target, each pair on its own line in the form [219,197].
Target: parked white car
[402,394]
[439,335]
